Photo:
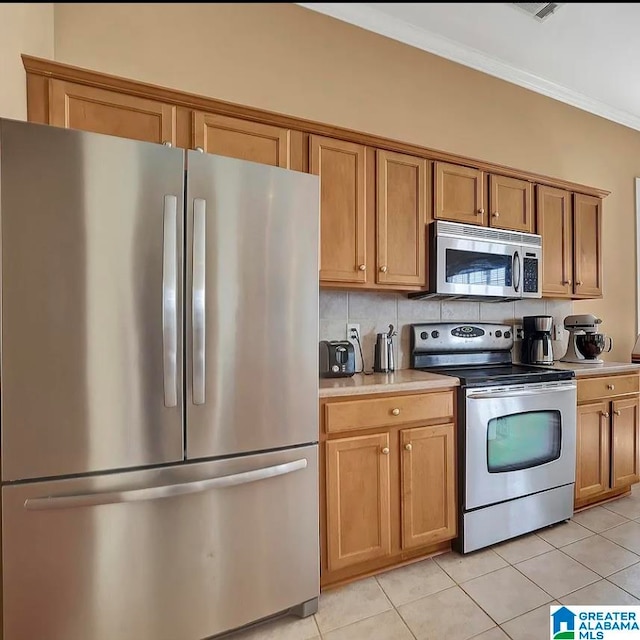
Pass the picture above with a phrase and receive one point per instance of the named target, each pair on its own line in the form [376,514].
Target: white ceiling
[587,55]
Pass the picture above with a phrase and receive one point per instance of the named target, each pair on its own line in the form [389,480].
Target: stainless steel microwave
[467,261]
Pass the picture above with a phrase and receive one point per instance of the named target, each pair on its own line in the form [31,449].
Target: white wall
[24,28]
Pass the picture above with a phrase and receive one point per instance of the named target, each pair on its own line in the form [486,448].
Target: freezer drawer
[181,553]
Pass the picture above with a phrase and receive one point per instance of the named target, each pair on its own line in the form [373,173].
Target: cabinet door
[242,139]
[428,485]
[592,449]
[554,224]
[341,167]
[358,494]
[401,218]
[76,106]
[458,194]
[587,246]
[625,451]
[510,204]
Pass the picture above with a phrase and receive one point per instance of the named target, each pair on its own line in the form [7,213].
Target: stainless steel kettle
[383,358]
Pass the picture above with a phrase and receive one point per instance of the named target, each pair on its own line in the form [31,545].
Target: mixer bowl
[591,345]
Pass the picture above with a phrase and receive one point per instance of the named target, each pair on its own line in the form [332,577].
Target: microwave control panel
[530,275]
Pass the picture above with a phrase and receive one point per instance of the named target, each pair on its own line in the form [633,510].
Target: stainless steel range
[516,431]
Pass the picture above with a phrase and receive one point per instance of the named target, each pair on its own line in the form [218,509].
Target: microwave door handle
[516,271]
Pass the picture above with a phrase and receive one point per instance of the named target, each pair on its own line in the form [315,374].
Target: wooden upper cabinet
[428,485]
[341,167]
[77,106]
[592,450]
[459,194]
[587,248]
[241,139]
[510,204]
[554,224]
[401,218]
[625,449]
[358,500]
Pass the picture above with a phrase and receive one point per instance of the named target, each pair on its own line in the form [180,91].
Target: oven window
[473,267]
[523,440]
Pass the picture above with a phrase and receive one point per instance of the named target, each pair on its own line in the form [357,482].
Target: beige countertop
[396,382]
[606,368]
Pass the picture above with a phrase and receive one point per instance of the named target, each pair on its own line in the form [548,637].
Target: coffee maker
[585,343]
[536,342]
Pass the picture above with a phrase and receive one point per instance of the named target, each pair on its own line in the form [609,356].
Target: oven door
[477,268]
[519,440]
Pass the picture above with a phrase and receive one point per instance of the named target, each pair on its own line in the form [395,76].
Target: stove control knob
[507,334]
[435,334]
[498,334]
[424,335]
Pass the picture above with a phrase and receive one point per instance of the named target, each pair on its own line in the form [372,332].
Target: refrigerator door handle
[198,299]
[170,301]
[165,491]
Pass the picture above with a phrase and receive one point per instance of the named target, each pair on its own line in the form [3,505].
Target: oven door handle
[519,393]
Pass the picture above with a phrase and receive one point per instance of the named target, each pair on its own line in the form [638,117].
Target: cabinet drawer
[609,387]
[382,412]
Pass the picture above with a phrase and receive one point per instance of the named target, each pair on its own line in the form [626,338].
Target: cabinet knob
[408,446]
[605,414]
[578,282]
[395,412]
[200,149]
[616,411]
[384,268]
[496,215]
[166,143]
[385,451]
[611,387]
[480,212]
[363,267]
[566,282]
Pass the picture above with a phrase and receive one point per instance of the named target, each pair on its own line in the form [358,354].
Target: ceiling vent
[538,10]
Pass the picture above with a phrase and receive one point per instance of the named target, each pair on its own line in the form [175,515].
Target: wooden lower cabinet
[428,485]
[592,450]
[625,452]
[389,495]
[358,495]
[607,442]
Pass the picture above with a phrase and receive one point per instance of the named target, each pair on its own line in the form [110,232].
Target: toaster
[337,359]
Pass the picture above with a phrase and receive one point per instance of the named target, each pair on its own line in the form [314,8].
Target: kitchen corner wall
[24,28]
[374,312]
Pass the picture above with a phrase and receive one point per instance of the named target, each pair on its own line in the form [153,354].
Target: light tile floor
[499,593]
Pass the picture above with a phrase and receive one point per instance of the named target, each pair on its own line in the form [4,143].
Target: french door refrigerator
[158,389]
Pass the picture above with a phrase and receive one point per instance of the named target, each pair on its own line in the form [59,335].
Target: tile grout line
[593,570]
[404,622]
[498,625]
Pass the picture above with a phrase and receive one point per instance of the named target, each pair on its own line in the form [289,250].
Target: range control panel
[450,337]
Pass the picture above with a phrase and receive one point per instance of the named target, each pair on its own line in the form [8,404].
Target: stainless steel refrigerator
[158,389]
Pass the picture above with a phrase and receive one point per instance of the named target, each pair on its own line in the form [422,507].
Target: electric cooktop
[501,374]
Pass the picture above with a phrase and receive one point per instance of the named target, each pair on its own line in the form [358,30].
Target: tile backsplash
[374,312]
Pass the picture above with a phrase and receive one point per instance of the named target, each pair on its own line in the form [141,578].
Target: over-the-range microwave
[470,262]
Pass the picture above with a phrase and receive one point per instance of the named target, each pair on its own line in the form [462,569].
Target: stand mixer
[585,343]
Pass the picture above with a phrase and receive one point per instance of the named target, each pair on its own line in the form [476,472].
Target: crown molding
[372,19]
